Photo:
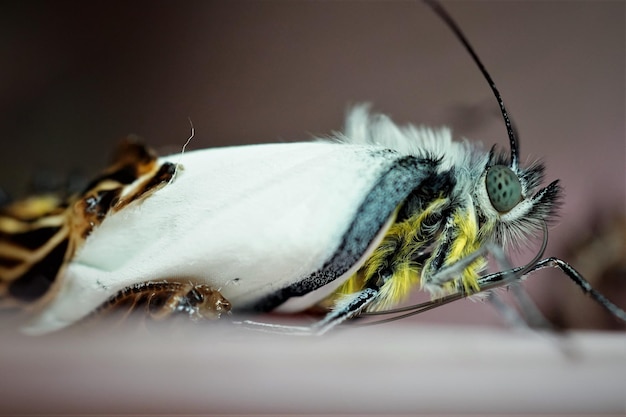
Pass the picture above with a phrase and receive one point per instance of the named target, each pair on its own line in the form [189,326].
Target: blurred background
[77,76]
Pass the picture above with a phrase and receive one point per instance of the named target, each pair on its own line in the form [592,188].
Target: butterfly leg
[531,313]
[500,279]
[345,309]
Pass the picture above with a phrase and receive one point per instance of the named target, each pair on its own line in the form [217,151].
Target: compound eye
[503,188]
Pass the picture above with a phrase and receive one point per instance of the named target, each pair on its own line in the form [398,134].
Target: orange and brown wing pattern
[33,245]
[164,300]
[40,234]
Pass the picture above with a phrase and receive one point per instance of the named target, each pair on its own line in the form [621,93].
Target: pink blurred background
[77,76]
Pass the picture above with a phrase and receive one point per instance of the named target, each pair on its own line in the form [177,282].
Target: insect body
[355,222]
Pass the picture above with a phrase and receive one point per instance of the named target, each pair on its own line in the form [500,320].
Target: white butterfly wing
[261,223]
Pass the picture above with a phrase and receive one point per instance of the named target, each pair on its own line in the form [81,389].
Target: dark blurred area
[599,254]
[77,76]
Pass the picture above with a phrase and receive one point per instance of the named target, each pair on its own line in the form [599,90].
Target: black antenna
[443,14]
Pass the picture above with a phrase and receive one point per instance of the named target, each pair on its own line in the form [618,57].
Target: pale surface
[381,370]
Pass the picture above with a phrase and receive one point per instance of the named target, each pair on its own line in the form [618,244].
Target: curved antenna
[544,244]
[443,14]
[507,278]
[410,310]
